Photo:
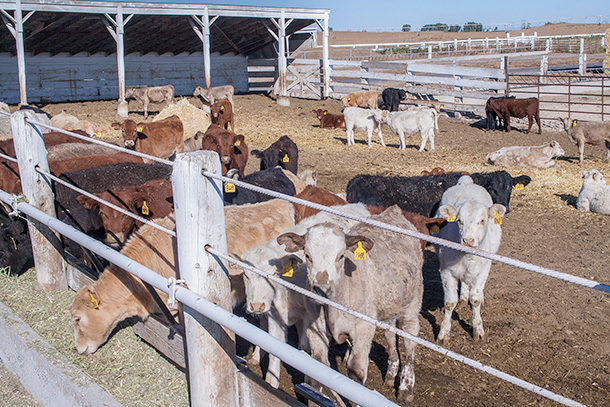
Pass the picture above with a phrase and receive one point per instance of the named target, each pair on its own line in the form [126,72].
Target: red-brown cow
[162,138]
[317,195]
[151,200]
[329,120]
[231,148]
[505,108]
[222,114]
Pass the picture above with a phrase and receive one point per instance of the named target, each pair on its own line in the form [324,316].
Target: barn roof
[74,26]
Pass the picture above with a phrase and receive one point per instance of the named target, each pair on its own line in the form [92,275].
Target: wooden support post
[199,222]
[46,246]
[206,46]
[120,52]
[429,51]
[505,62]
[325,63]
[281,57]
[582,59]
[18,34]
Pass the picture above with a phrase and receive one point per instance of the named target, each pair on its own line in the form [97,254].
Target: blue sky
[357,15]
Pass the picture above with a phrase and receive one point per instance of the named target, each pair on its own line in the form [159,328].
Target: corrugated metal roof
[78,26]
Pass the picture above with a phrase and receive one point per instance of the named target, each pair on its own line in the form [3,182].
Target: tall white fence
[201,243]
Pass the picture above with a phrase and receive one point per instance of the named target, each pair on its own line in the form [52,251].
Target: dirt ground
[542,330]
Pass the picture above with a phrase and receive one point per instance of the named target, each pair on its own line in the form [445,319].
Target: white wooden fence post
[46,246]
[199,222]
[582,64]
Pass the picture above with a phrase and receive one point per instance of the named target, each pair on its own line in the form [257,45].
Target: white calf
[410,122]
[521,156]
[361,119]
[594,195]
[474,220]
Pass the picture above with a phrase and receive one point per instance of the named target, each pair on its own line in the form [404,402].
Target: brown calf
[329,120]
[162,138]
[231,148]
[316,195]
[362,98]
[151,200]
[222,114]
[505,108]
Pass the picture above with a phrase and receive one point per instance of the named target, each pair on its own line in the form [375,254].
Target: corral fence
[585,97]
[578,43]
[215,378]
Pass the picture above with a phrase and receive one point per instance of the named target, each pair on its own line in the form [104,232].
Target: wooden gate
[303,77]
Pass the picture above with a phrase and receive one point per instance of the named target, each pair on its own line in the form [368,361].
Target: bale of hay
[193,118]
[5,123]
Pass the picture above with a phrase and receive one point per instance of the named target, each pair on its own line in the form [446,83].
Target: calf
[15,247]
[211,95]
[522,156]
[422,194]
[271,178]
[343,264]
[410,122]
[490,114]
[474,221]
[281,307]
[587,133]
[162,138]
[329,120]
[594,196]
[117,295]
[222,114]
[283,152]
[317,195]
[231,148]
[361,119]
[154,94]
[507,107]
[69,122]
[362,98]
[392,97]
[150,200]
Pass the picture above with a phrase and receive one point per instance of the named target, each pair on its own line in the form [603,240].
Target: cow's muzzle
[130,144]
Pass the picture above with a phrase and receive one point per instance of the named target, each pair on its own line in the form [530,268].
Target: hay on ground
[193,118]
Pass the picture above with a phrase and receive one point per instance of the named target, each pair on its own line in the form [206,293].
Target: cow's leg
[464,292]
[410,324]
[538,121]
[530,122]
[476,297]
[431,139]
[450,289]
[256,353]
[424,139]
[358,359]
[401,136]
[369,133]
[380,134]
[581,151]
[393,358]
[506,118]
[607,151]
[273,372]
[145,104]
[318,343]
[349,134]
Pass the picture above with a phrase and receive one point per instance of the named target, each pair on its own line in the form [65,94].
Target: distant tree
[472,26]
[435,27]
[454,28]
[406,27]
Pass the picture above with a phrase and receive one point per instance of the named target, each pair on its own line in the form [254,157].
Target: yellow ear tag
[229,187]
[349,343]
[98,133]
[14,244]
[519,187]
[442,106]
[286,158]
[573,123]
[497,219]
[324,113]
[139,129]
[451,218]
[133,89]
[96,305]
[237,143]
[145,210]
[360,253]
[435,229]
[288,270]
[348,99]
[222,107]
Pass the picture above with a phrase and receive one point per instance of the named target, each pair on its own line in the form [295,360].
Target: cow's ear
[597,176]
[141,135]
[116,125]
[142,205]
[234,269]
[88,203]
[93,300]
[238,138]
[257,153]
[292,241]
[448,212]
[351,242]
[496,212]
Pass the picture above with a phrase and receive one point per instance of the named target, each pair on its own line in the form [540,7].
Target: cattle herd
[333,256]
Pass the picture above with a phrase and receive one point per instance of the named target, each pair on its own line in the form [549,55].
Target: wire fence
[470,362]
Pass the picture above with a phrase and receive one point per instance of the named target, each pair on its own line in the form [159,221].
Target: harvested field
[539,329]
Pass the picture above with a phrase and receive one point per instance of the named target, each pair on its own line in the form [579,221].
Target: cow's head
[593,176]
[15,247]
[131,131]
[402,94]
[95,316]
[117,225]
[223,143]
[325,248]
[130,92]
[219,109]
[347,101]
[556,149]
[319,113]
[473,220]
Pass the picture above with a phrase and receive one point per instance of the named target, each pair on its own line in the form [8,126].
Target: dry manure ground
[542,330]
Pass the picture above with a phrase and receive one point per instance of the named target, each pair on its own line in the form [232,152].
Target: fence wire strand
[435,240]
[387,327]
